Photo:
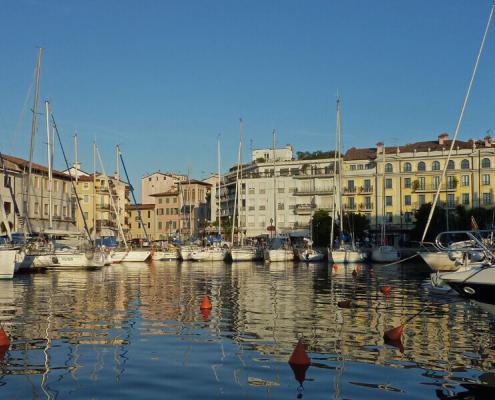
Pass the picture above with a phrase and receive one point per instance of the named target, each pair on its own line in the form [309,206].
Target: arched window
[465,164]
[451,164]
[485,163]
[435,166]
[407,167]
[389,167]
[421,166]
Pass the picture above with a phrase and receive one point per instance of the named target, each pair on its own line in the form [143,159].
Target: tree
[437,224]
[358,224]
[320,225]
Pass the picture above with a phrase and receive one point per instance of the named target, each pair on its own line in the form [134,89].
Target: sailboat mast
[240,230]
[236,197]
[50,166]
[274,187]
[339,181]
[94,190]
[33,131]
[383,198]
[76,163]
[335,155]
[219,188]
[189,196]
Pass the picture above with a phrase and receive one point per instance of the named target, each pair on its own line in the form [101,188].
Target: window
[451,164]
[465,180]
[352,167]
[64,211]
[159,225]
[421,166]
[351,204]
[350,186]
[421,183]
[451,182]
[261,208]
[485,179]
[450,200]
[281,206]
[389,167]
[388,200]
[408,217]
[281,190]
[465,164]
[367,203]
[367,185]
[159,211]
[407,183]
[485,163]
[436,182]
[86,198]
[160,201]
[86,185]
[388,183]
[407,167]
[421,200]
[390,217]
[465,199]
[407,200]
[45,207]
[435,166]
[149,225]
[55,210]
[149,215]
[487,199]
[36,208]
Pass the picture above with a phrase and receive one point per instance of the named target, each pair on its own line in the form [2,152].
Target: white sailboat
[126,254]
[279,248]
[384,253]
[7,262]
[343,253]
[239,251]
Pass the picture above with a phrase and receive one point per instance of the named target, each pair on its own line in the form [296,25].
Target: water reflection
[137,330]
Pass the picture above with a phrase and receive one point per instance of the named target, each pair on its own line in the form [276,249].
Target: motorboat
[384,254]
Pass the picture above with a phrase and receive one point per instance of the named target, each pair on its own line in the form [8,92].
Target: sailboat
[214,252]
[384,253]
[126,254]
[241,251]
[8,253]
[343,253]
[279,248]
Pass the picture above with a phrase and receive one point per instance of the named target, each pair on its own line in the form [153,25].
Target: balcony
[434,188]
[311,191]
[103,207]
[304,209]
[365,206]
[350,207]
[349,190]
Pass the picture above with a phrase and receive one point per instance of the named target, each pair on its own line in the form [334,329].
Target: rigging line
[459,121]
[72,181]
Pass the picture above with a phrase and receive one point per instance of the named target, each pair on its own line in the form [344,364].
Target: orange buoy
[299,356]
[206,313]
[205,304]
[354,273]
[386,290]
[344,304]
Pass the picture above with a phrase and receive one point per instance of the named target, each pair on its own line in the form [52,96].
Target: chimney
[442,138]
[488,141]
[380,148]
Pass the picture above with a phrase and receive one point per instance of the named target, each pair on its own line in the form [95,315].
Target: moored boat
[7,263]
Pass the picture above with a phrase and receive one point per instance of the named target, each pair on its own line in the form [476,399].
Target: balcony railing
[304,208]
[434,188]
[311,191]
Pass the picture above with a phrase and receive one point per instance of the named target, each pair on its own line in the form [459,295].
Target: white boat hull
[310,255]
[345,256]
[165,255]
[385,254]
[185,252]
[7,263]
[119,256]
[209,255]
[279,255]
[476,283]
[71,260]
[245,254]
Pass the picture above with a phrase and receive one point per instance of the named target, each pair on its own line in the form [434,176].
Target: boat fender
[55,260]
[469,290]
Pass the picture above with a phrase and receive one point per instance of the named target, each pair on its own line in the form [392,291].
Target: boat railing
[474,241]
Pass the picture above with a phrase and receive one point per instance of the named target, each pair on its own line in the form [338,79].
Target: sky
[165,78]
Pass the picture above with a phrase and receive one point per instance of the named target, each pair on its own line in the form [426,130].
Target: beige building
[135,228]
[63,210]
[158,182]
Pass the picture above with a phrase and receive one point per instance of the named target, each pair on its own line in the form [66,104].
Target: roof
[24,164]
[423,146]
[195,182]
[140,206]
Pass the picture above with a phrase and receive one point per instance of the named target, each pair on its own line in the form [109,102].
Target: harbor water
[136,331]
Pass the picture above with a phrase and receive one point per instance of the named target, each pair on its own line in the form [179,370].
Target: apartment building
[386,184]
[158,182]
[136,230]
[37,205]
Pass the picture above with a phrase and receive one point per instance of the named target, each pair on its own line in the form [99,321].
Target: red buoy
[206,313]
[394,334]
[4,339]
[299,356]
[205,304]
[386,290]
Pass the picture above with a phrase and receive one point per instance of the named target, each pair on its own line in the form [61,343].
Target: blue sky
[164,78]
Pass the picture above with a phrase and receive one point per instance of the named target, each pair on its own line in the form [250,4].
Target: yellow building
[135,228]
[388,184]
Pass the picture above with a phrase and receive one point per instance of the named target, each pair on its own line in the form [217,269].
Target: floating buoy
[396,343]
[4,343]
[299,356]
[394,334]
[206,314]
[205,304]
[386,290]
[344,304]
[354,273]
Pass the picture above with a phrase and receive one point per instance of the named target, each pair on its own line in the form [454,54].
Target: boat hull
[245,254]
[209,255]
[7,263]
[476,283]
[345,256]
[310,255]
[164,256]
[279,255]
[70,260]
[119,256]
